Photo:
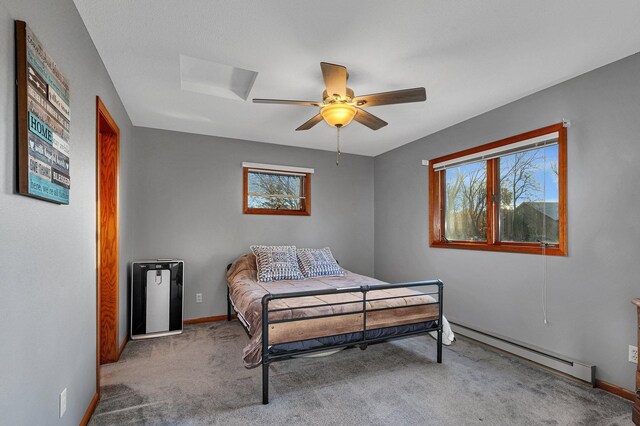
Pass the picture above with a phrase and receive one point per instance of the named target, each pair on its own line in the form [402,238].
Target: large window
[276,191]
[508,195]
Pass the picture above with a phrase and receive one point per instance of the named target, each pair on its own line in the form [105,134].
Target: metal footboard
[268,357]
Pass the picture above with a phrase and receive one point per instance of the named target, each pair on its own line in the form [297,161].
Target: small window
[281,192]
[508,195]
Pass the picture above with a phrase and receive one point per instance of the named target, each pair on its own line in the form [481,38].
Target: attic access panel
[211,78]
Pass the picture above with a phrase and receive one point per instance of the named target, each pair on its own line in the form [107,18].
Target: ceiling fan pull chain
[338,148]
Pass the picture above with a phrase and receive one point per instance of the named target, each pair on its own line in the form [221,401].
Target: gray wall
[181,197]
[591,317]
[48,252]
[187,203]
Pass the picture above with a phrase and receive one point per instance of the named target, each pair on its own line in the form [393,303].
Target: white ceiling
[470,55]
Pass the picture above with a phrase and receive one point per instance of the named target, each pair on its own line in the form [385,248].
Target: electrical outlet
[63,402]
[198,297]
[633,354]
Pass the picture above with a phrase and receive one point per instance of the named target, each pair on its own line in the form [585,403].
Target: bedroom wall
[48,252]
[590,314]
[187,203]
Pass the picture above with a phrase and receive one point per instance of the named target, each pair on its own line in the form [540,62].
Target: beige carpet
[197,378]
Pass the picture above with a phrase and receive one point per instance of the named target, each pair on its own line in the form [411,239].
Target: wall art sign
[43,121]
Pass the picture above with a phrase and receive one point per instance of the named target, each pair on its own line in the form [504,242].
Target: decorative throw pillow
[277,263]
[318,262]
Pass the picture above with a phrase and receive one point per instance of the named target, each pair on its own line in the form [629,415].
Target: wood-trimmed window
[279,191]
[509,195]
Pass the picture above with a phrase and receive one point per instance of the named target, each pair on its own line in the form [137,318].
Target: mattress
[349,338]
[387,308]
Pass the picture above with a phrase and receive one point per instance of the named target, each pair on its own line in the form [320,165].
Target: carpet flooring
[197,378]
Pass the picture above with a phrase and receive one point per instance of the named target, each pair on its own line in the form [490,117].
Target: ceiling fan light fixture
[338,114]
[339,105]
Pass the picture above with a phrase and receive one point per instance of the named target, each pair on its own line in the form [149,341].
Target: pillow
[277,263]
[318,262]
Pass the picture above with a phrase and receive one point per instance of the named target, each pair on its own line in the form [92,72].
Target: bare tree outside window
[275,191]
[528,196]
[466,202]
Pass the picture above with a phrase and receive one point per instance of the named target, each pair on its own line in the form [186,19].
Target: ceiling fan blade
[286,102]
[309,124]
[369,120]
[417,94]
[335,78]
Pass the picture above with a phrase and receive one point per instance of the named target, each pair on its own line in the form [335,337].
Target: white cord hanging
[544,242]
[544,286]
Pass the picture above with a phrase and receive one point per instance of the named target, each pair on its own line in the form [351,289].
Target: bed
[295,317]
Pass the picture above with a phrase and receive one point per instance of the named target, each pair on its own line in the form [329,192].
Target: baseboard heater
[577,369]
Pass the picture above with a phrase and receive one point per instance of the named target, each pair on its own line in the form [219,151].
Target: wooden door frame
[113,129]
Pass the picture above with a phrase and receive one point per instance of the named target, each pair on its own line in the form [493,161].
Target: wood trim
[562,190]
[307,194]
[90,409]
[102,109]
[107,300]
[207,319]
[306,202]
[434,204]
[500,247]
[616,390]
[436,210]
[493,181]
[635,416]
[97,252]
[437,196]
[245,189]
[122,346]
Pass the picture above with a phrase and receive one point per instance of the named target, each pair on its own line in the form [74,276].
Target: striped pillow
[318,262]
[277,263]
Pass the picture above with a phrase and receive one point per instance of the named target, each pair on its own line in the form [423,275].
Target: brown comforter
[246,295]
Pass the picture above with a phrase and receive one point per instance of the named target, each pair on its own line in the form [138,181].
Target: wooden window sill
[501,247]
[277,212]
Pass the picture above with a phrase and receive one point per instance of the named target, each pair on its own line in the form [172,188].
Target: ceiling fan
[339,104]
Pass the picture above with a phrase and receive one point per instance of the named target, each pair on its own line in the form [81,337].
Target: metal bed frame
[268,357]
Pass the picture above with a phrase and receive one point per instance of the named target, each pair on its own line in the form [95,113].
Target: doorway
[107,177]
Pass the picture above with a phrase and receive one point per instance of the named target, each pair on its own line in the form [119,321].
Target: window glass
[275,191]
[529,196]
[466,202]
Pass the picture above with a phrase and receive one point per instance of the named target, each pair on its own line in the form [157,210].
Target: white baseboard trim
[578,369]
